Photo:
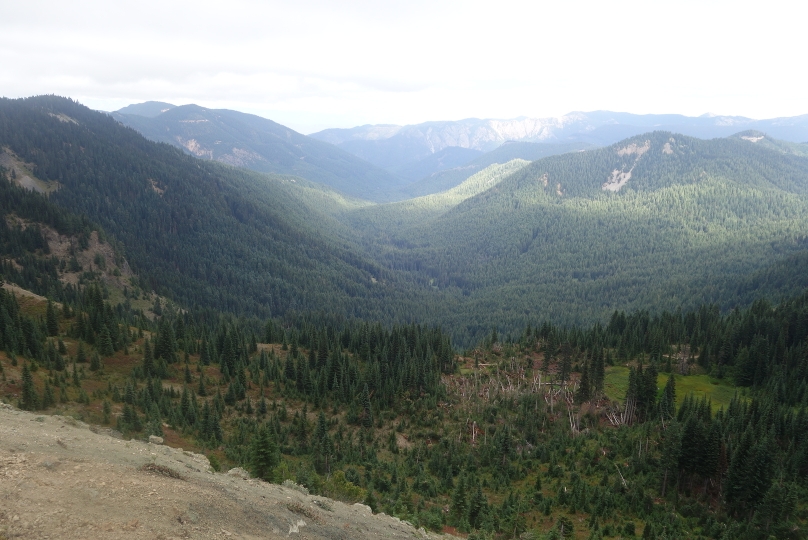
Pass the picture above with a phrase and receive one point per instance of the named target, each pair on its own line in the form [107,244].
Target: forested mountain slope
[249,141]
[656,221]
[670,425]
[383,219]
[199,232]
[762,139]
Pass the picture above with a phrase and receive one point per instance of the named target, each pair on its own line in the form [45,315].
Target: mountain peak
[149,109]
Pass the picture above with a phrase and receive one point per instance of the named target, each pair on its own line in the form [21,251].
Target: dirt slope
[60,478]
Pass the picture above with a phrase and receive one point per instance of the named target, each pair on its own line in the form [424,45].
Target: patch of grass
[720,392]
[615,384]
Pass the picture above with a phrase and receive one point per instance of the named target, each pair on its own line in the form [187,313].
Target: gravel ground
[60,478]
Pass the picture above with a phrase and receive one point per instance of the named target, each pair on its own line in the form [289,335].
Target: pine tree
[51,320]
[107,409]
[166,345]
[105,347]
[667,405]
[477,508]
[95,362]
[322,447]
[367,414]
[458,508]
[584,390]
[148,360]
[598,371]
[566,365]
[76,381]
[48,399]
[671,450]
[262,406]
[264,455]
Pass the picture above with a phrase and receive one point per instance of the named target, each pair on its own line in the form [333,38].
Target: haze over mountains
[245,140]
[599,127]
[399,162]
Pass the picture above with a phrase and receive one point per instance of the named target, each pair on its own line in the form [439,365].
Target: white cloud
[315,64]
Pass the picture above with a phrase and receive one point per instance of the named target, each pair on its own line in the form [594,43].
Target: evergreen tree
[105,347]
[477,508]
[29,400]
[149,369]
[51,320]
[366,416]
[671,450]
[667,405]
[566,364]
[95,362]
[76,381]
[107,410]
[322,447]
[48,399]
[264,455]
[165,347]
[584,389]
[458,508]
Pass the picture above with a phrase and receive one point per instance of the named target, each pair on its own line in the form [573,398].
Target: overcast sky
[316,64]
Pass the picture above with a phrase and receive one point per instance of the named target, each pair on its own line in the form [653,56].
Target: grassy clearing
[615,385]
[719,391]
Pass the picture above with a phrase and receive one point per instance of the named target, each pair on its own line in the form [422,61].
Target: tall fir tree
[29,400]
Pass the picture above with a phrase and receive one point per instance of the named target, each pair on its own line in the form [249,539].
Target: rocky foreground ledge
[60,478]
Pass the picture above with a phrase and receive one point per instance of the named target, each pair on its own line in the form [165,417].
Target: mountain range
[659,220]
[249,141]
[387,162]
[393,147]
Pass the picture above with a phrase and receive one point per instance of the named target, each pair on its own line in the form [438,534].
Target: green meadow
[718,390]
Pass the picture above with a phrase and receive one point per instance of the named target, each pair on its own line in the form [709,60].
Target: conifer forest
[527,354]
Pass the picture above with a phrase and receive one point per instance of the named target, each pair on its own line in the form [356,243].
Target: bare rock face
[154,439]
[60,479]
[238,472]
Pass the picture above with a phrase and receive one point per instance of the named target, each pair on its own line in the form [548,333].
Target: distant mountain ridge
[390,146]
[149,109]
[249,141]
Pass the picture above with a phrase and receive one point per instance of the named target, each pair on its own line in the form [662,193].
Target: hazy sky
[316,64]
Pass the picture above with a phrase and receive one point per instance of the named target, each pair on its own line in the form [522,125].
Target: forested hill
[246,140]
[198,232]
[656,221]
[661,159]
